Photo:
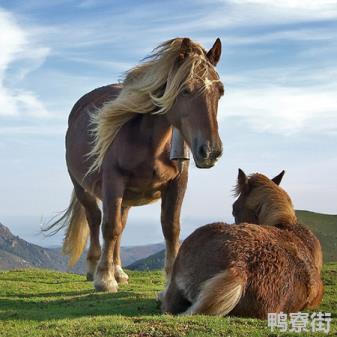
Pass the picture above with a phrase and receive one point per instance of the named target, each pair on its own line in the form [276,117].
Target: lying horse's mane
[150,87]
[272,202]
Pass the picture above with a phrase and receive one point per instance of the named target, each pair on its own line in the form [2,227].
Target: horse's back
[79,139]
[94,100]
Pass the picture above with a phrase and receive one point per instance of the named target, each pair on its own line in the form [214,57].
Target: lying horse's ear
[277,180]
[214,53]
[242,181]
[185,49]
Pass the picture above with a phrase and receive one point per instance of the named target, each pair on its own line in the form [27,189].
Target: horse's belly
[134,197]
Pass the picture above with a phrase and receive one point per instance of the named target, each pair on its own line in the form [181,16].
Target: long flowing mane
[150,87]
[273,202]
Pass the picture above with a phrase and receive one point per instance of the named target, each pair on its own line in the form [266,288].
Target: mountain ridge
[19,253]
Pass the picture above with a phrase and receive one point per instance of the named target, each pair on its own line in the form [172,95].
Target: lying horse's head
[262,201]
[194,111]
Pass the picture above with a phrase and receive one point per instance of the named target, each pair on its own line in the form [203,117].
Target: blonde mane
[150,87]
[270,201]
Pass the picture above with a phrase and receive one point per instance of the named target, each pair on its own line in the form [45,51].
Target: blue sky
[279,110]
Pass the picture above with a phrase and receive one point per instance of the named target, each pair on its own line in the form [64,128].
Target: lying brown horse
[117,151]
[248,269]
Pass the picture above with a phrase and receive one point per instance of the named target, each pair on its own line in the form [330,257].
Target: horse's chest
[147,183]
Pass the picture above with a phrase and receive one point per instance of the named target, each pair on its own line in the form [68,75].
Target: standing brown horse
[248,269]
[117,151]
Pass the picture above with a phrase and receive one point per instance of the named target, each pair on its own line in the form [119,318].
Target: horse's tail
[220,294]
[77,232]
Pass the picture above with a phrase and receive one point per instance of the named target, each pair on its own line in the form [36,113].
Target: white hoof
[105,281]
[120,275]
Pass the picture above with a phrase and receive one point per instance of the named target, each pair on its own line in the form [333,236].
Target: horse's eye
[186,92]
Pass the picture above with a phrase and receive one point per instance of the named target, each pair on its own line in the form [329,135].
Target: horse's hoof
[90,276]
[122,280]
[120,275]
[109,287]
[105,281]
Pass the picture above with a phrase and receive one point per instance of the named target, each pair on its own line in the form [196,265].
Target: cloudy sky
[279,110]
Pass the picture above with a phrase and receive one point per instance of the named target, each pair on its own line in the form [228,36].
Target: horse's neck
[272,214]
[156,128]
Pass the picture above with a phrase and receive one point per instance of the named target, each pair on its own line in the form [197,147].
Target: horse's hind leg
[93,215]
[120,275]
[112,194]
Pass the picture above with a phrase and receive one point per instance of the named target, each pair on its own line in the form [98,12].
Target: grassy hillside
[34,302]
[325,228]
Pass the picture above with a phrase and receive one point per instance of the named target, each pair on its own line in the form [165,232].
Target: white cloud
[283,110]
[322,7]
[273,11]
[18,47]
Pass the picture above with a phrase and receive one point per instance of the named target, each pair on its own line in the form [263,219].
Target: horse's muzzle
[206,155]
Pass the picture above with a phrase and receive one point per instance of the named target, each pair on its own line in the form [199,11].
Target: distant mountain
[323,225]
[152,262]
[18,253]
[325,228]
[134,253]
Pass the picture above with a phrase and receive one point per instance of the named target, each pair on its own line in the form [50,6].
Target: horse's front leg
[112,189]
[172,199]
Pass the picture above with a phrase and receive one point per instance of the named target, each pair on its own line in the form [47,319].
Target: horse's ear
[242,181]
[277,180]
[214,53]
[185,49]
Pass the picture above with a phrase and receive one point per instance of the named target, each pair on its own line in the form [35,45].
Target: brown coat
[246,270]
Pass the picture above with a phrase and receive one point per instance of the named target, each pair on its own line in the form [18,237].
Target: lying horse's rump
[246,270]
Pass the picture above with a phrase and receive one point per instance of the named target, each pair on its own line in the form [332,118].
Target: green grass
[45,303]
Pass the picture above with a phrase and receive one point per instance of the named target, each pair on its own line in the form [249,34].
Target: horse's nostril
[204,151]
[215,154]
[219,152]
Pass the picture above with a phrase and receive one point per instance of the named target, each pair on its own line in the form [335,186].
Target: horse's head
[194,111]
[261,200]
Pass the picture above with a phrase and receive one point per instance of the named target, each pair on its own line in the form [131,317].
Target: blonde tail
[219,295]
[77,232]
